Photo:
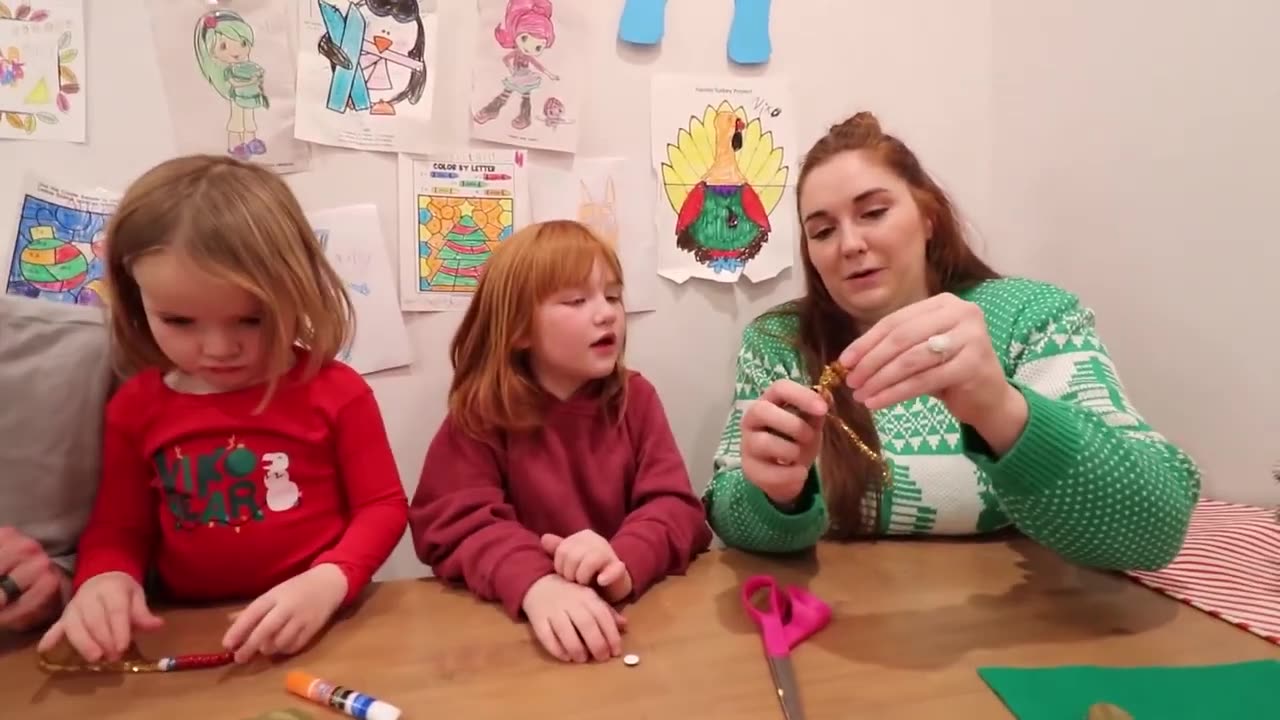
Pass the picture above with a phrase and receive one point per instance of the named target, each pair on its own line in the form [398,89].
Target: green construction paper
[1237,690]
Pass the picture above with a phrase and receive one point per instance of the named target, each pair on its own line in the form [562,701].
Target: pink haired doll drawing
[526,30]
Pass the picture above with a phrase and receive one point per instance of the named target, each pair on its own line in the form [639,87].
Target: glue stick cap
[382,711]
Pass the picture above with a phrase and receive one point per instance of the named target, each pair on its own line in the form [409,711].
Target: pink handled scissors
[790,616]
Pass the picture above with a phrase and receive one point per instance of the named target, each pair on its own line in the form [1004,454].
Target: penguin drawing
[390,55]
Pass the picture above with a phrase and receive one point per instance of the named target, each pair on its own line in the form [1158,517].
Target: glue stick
[356,704]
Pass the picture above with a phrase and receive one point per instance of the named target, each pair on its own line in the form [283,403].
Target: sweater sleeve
[464,528]
[1088,477]
[666,527]
[123,526]
[740,513]
[375,497]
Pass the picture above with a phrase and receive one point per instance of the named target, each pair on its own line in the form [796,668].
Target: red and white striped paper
[1229,567]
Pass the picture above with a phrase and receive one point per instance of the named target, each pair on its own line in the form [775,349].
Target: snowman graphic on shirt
[282,493]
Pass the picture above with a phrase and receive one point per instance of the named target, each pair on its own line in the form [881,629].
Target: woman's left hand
[940,347]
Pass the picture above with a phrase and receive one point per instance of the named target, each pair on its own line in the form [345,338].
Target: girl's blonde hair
[240,223]
[493,388]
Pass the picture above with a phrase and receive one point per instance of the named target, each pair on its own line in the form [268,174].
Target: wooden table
[913,621]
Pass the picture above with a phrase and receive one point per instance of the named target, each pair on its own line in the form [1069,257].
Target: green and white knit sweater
[1087,478]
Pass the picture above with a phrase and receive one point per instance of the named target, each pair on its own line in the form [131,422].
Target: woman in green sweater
[991,400]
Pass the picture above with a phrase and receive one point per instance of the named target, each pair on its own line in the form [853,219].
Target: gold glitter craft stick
[832,377]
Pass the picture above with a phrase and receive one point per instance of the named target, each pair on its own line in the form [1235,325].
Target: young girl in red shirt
[240,460]
[554,485]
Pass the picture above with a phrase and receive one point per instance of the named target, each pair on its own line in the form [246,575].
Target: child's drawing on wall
[223,45]
[600,213]
[528,68]
[527,30]
[553,113]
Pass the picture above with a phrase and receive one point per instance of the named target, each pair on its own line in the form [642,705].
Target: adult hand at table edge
[779,446]
[42,583]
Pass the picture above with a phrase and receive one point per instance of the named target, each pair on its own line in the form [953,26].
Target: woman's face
[865,236]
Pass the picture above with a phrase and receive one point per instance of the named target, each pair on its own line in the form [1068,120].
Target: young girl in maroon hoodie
[554,486]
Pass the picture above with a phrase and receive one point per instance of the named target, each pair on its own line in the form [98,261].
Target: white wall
[1136,154]
[1080,142]
[923,66]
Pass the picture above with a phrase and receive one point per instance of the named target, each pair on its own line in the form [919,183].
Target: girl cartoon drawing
[527,31]
[223,42]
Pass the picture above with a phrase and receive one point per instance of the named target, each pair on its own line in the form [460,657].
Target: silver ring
[10,589]
[939,344]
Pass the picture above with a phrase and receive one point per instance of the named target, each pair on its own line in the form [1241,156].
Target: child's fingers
[551,542]
[116,614]
[598,629]
[619,619]
[567,634]
[590,567]
[79,637]
[547,636]
[52,637]
[612,572]
[246,621]
[140,614]
[291,637]
[262,634]
[572,559]
[94,615]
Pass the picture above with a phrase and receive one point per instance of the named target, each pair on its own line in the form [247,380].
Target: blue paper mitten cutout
[642,21]
[749,32]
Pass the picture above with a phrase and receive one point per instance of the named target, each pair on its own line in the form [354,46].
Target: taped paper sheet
[367,73]
[59,243]
[42,70]
[612,197]
[228,70]
[455,209]
[354,245]
[724,154]
[528,73]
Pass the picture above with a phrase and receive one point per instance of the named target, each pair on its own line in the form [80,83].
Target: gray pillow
[55,379]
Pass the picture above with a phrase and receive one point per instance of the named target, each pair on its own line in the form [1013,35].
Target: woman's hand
[779,446]
[940,347]
[571,621]
[285,618]
[101,617]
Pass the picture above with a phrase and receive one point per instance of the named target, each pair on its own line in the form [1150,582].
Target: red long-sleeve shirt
[481,508]
[223,504]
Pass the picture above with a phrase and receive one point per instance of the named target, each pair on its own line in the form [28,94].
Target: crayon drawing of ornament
[37,80]
[723,178]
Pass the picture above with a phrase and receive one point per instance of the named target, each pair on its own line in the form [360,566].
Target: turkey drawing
[723,177]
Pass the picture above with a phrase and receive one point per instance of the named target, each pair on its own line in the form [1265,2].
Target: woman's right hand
[779,445]
[565,615]
[100,618]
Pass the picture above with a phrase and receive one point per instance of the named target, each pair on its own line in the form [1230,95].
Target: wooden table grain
[913,621]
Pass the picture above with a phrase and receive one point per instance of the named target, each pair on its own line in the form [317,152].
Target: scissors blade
[784,680]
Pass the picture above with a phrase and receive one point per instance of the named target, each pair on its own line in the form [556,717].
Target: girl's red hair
[493,389]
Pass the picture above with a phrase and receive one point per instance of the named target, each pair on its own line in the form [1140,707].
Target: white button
[631,660]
